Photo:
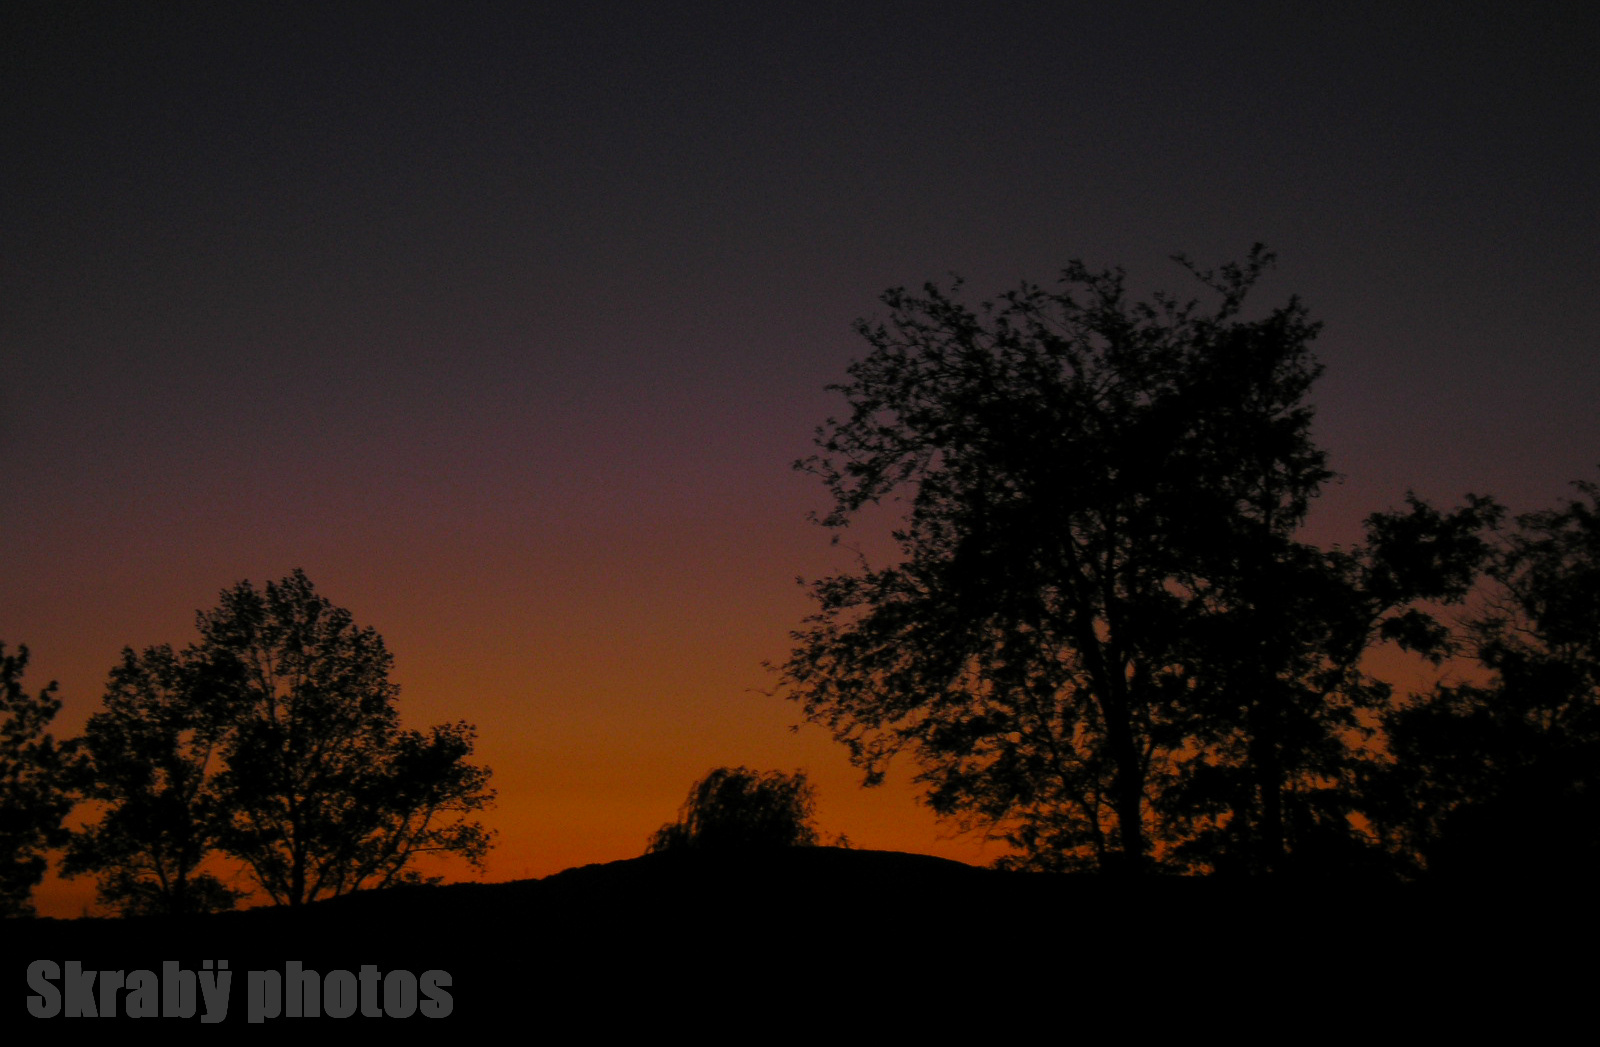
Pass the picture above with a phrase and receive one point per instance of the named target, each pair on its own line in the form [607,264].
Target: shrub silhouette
[735,807]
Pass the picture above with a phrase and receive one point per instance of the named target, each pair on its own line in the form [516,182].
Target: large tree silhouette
[1101,639]
[1081,471]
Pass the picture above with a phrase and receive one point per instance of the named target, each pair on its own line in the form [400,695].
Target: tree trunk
[1127,792]
[1266,762]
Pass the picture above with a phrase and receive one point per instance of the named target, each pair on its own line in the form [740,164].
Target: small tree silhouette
[151,757]
[1501,778]
[276,740]
[33,790]
[326,793]
[735,807]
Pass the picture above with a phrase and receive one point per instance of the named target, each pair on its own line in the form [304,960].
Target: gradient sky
[505,322]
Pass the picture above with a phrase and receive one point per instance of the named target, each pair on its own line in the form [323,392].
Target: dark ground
[815,939]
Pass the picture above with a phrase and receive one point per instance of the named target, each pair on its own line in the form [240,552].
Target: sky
[506,322]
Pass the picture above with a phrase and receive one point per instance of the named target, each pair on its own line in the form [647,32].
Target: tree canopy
[1101,640]
[275,739]
[152,758]
[1501,777]
[1284,720]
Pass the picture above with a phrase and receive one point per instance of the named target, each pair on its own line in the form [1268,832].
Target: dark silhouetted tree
[1284,716]
[152,758]
[735,807]
[1099,491]
[34,796]
[1502,778]
[324,792]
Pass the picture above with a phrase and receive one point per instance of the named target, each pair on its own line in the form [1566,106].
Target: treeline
[1103,640]
[270,747]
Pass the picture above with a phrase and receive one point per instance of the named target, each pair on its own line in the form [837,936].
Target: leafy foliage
[735,807]
[1503,778]
[1102,641]
[1285,719]
[34,796]
[1085,472]
[276,739]
[325,793]
[151,757]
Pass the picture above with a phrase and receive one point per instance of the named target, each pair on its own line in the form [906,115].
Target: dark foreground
[859,942]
